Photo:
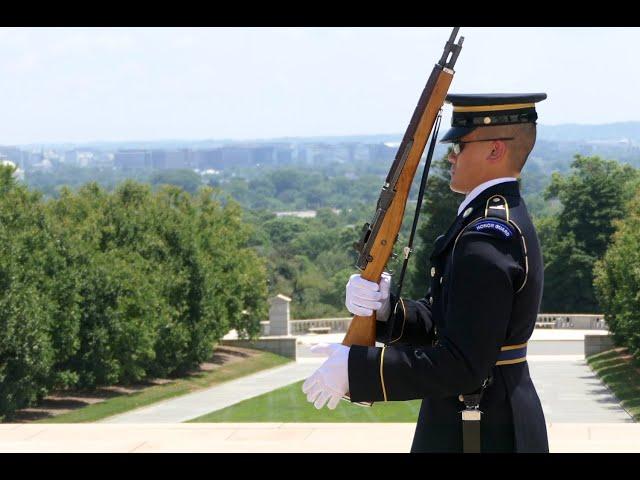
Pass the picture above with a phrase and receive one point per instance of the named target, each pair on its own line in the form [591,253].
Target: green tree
[188,180]
[617,279]
[101,288]
[120,320]
[592,197]
[165,276]
[27,353]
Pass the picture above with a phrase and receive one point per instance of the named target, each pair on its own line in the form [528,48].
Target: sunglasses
[457,147]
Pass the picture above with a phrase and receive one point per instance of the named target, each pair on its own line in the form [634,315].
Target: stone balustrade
[337,325]
[557,320]
[578,321]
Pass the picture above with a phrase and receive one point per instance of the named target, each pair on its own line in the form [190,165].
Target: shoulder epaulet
[498,207]
[497,223]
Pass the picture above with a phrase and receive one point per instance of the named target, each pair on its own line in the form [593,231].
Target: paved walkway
[570,392]
[278,437]
[215,398]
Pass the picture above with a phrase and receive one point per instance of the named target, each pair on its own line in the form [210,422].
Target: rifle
[378,237]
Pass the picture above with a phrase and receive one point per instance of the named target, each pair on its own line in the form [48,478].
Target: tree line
[99,288]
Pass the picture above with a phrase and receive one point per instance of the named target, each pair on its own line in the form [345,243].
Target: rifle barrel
[451,48]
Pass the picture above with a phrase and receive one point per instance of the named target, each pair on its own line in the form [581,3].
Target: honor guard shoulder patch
[495,227]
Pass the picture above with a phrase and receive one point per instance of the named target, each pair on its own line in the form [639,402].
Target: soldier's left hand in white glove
[330,382]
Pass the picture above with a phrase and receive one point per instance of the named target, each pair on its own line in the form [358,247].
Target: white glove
[363,296]
[330,382]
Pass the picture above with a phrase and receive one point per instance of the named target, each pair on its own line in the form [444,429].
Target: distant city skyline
[83,85]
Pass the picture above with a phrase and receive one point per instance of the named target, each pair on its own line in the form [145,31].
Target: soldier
[462,348]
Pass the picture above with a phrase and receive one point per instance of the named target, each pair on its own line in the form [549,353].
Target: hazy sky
[88,84]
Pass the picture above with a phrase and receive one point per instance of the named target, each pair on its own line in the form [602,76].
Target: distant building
[102,159]
[210,171]
[314,153]
[361,152]
[263,155]
[14,154]
[305,213]
[342,153]
[323,152]
[159,159]
[382,152]
[351,151]
[284,155]
[208,159]
[132,159]
[70,157]
[35,157]
[236,157]
[299,214]
[172,159]
[84,159]
[301,154]
[182,158]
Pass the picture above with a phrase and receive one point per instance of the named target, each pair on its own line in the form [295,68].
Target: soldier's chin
[454,187]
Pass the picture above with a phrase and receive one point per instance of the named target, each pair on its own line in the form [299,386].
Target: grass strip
[182,386]
[289,404]
[621,373]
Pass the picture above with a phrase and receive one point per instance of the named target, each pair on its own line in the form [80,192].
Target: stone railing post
[279,317]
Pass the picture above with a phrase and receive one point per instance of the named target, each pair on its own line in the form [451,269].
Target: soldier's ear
[497,152]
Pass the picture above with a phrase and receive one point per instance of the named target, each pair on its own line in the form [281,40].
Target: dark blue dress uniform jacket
[485,292]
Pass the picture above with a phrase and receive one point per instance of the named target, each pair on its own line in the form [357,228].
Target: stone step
[278,437]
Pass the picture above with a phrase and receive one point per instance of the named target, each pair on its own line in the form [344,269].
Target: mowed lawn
[621,373]
[289,404]
[180,386]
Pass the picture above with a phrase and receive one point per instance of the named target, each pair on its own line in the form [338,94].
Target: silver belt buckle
[471,414]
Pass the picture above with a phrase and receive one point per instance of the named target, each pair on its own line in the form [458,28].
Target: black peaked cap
[471,111]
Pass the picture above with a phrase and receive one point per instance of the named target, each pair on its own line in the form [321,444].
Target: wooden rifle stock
[379,237]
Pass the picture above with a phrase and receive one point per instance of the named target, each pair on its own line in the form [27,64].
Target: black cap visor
[456,133]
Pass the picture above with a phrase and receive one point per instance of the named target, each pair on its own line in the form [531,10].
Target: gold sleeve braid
[404,318]
[384,390]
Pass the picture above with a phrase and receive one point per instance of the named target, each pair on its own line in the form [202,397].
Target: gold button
[487,120]
[433,271]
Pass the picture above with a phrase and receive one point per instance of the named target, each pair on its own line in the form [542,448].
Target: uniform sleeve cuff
[364,374]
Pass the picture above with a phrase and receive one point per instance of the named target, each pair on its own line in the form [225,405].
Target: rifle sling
[416,216]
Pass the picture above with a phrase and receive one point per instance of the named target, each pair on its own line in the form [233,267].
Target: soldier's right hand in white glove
[363,296]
